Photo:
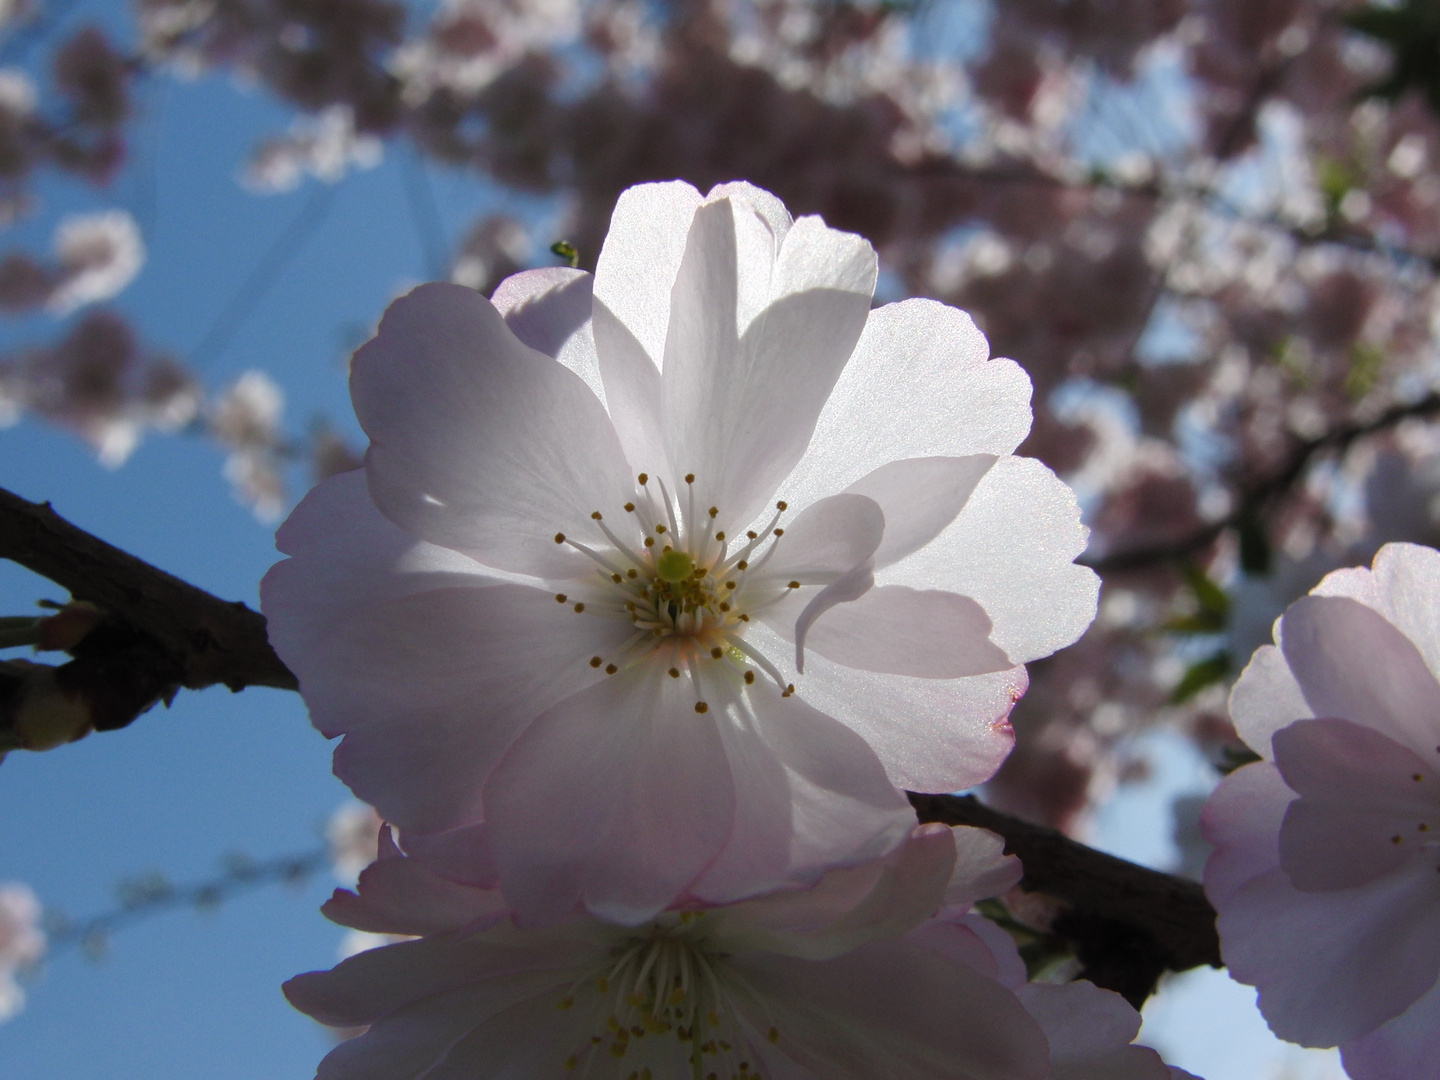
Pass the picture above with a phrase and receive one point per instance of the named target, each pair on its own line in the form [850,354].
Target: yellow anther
[674,673]
[720,536]
[701,707]
[774,1035]
[689,478]
[724,606]
[749,678]
[788,690]
[782,506]
[742,565]
[729,584]
[1395,839]
[631,573]
[714,511]
[743,617]
[579,608]
[595,661]
[659,528]
[717,652]
[793,585]
[779,532]
[571,1062]
[610,669]
[560,598]
[559,538]
[629,508]
[595,515]
[752,534]
[649,541]
[1417,777]
[565,1003]
[644,479]
[616,578]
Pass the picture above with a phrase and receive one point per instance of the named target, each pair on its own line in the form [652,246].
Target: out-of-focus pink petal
[1405,1048]
[1090,1031]
[616,799]
[881,898]
[1367,804]
[1242,820]
[809,794]
[1354,665]
[920,384]
[1406,579]
[920,497]
[478,442]
[894,1008]
[1011,548]
[982,869]
[754,347]
[1332,966]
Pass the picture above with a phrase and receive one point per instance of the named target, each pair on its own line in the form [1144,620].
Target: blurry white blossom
[22,943]
[99,255]
[325,146]
[17,92]
[246,421]
[353,833]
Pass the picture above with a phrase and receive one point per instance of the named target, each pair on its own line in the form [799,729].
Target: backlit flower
[639,564]
[845,981]
[22,943]
[1325,870]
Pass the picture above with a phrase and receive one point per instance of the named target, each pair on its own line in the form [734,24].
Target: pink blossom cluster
[644,727]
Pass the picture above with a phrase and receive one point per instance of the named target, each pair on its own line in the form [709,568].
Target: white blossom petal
[740,401]
[477,442]
[1012,549]
[919,384]
[1265,699]
[920,497]
[549,310]
[1407,1046]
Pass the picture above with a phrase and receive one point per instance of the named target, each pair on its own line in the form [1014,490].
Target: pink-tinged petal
[462,855]
[1265,698]
[1352,664]
[396,895]
[924,633]
[1242,820]
[345,557]
[1366,804]
[549,310]
[881,898]
[809,795]
[827,539]
[894,1008]
[478,442]
[744,380]
[377,982]
[920,497]
[1090,1031]
[920,384]
[1333,966]
[633,282]
[1405,1048]
[431,689]
[982,869]
[1406,581]
[976,941]
[1012,549]
[407,1044]
[616,799]
[931,734]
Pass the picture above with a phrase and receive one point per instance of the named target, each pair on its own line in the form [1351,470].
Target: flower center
[687,588]
[662,1002]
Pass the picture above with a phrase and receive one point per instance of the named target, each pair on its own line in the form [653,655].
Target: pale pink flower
[844,981]
[564,601]
[1325,870]
[22,943]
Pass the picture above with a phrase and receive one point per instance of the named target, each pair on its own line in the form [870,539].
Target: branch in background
[1256,497]
[158,634]
[1127,924]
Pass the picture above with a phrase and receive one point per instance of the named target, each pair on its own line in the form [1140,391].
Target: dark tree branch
[1128,925]
[192,639]
[1256,497]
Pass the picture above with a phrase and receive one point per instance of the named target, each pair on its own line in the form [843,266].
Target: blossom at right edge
[1325,874]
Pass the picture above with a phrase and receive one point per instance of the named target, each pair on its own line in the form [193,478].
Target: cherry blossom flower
[22,943]
[99,254]
[1324,874]
[835,981]
[565,568]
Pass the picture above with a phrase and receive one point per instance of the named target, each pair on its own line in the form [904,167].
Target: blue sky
[188,995]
